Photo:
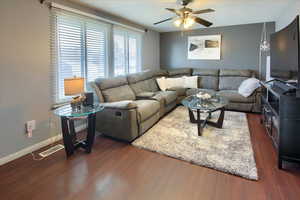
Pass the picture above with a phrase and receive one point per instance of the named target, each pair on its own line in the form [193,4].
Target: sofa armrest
[120,105]
[119,120]
[258,90]
[145,95]
[257,106]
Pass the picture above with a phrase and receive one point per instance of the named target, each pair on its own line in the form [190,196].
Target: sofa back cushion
[231,79]
[207,78]
[179,72]
[115,89]
[143,82]
[161,73]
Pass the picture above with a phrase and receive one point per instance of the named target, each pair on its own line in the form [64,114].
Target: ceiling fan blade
[203,11]
[177,12]
[203,22]
[164,20]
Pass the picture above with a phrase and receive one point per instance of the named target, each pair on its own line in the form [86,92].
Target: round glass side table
[68,116]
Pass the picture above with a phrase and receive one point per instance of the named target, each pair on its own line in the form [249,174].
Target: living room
[151,99]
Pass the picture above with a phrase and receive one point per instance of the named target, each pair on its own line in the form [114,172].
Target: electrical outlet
[30,127]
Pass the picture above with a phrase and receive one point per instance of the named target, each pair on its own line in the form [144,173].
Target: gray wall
[240,47]
[150,51]
[25,73]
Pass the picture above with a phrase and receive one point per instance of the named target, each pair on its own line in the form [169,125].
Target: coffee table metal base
[202,123]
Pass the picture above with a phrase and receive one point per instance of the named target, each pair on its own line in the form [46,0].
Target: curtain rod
[56,5]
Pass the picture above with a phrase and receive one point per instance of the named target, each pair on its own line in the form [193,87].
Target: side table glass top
[205,105]
[66,111]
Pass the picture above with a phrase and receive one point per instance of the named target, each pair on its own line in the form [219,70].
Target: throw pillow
[175,82]
[248,86]
[162,84]
[191,82]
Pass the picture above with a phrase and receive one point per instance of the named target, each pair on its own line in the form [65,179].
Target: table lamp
[75,86]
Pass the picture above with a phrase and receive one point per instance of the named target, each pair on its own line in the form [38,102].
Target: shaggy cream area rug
[228,149]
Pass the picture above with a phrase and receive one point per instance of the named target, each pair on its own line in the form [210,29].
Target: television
[284,53]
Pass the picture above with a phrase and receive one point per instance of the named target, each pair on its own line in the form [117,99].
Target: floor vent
[51,150]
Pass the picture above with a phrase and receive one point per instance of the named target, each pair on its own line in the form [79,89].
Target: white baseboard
[30,149]
[36,146]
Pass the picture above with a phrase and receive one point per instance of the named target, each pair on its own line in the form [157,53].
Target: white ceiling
[228,12]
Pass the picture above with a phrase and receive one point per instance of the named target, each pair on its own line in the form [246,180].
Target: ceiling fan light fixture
[188,22]
[185,17]
[178,22]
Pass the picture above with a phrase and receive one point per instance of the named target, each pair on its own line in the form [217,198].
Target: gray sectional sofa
[134,103]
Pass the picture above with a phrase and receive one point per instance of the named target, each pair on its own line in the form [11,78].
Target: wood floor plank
[116,170]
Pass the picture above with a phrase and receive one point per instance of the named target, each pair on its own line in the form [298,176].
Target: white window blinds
[127,52]
[79,48]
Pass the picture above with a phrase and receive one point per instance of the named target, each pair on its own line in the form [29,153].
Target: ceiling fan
[185,16]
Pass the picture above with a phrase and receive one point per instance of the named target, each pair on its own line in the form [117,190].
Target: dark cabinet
[281,117]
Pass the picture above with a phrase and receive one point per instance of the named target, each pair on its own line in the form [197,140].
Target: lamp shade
[73,86]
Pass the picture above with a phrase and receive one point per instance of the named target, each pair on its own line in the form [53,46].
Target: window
[79,49]
[127,47]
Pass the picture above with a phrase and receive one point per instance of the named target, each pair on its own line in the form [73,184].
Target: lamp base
[76,102]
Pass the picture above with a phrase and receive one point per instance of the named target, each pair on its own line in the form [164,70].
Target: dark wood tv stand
[281,117]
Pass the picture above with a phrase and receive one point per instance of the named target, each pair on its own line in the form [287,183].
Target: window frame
[128,34]
[56,55]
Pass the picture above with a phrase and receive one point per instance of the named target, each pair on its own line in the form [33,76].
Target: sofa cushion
[232,79]
[120,93]
[207,78]
[140,76]
[106,83]
[115,89]
[180,72]
[148,85]
[166,97]
[208,82]
[143,82]
[236,72]
[234,96]
[160,73]
[180,91]
[230,83]
[205,72]
[146,109]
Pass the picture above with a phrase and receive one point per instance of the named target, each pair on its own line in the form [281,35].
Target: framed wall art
[204,47]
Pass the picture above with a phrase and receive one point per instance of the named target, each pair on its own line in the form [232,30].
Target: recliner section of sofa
[125,117]
[207,78]
[134,103]
[145,87]
[229,82]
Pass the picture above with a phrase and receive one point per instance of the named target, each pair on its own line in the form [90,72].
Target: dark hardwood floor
[116,170]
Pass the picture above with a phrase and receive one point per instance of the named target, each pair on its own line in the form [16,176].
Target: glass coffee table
[209,105]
